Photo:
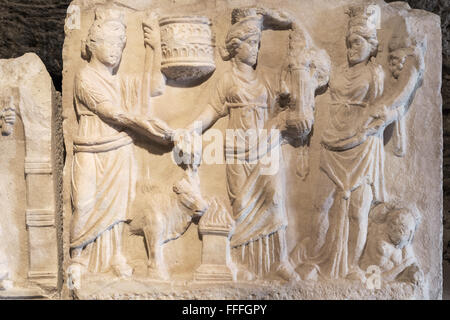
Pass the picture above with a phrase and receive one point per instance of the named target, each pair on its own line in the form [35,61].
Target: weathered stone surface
[30,196]
[34,26]
[34,15]
[37,26]
[153,239]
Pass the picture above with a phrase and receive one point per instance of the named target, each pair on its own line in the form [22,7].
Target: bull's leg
[153,238]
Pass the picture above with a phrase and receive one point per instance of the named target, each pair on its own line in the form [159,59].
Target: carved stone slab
[232,149]
[31,171]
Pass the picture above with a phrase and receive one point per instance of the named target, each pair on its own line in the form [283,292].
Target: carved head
[401,226]
[9,105]
[247,51]
[189,194]
[107,37]
[243,38]
[361,39]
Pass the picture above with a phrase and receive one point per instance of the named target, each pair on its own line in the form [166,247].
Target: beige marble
[31,174]
[217,149]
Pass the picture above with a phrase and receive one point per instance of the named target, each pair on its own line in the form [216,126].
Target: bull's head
[189,194]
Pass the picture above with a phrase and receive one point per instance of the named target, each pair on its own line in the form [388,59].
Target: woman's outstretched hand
[152,128]
[157,127]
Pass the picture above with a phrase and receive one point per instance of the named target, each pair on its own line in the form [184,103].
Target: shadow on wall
[34,26]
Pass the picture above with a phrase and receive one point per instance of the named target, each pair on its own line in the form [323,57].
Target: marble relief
[269,134]
[223,151]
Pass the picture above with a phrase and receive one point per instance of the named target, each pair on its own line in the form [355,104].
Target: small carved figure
[163,217]
[389,244]
[109,110]
[8,105]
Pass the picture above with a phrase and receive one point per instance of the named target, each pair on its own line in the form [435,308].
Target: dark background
[38,26]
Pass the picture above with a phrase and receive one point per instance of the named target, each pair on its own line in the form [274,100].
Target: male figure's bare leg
[324,198]
[360,203]
[314,245]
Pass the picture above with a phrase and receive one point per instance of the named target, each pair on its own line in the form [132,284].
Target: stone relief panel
[265,150]
[9,102]
[29,194]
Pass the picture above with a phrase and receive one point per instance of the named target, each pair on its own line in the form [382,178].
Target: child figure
[389,244]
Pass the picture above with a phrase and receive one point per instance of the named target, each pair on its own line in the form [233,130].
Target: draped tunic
[104,169]
[257,198]
[349,158]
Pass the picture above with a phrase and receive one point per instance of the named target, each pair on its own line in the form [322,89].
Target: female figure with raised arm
[245,94]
